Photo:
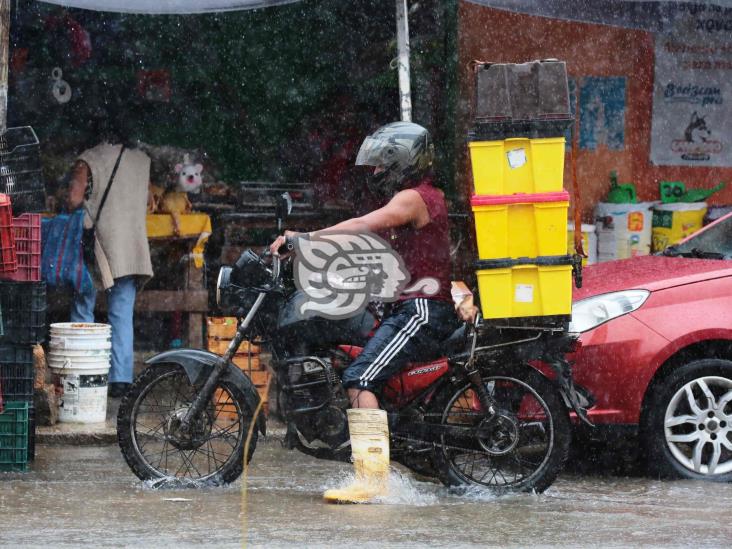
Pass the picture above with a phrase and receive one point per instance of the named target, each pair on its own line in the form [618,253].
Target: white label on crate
[524,293]
[516,158]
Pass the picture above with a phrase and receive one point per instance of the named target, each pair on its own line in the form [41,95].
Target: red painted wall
[487,34]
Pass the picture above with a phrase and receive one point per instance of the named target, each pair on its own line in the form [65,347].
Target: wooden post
[4,52]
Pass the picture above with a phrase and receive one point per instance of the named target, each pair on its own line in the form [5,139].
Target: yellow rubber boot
[370,454]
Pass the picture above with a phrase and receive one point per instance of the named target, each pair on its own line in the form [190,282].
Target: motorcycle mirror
[283,208]
[283,205]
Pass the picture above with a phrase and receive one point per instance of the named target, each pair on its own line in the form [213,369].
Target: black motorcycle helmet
[403,152]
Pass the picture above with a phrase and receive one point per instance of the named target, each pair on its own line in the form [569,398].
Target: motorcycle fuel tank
[318,331]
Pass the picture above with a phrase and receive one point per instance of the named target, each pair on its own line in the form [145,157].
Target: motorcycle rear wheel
[209,453]
[522,450]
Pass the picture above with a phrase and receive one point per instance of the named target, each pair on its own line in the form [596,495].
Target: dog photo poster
[692,95]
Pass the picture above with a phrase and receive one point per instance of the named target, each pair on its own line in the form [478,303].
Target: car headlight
[593,311]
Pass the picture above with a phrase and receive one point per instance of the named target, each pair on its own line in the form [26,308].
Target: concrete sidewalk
[81,434]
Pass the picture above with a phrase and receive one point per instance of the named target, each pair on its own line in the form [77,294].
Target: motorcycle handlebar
[288,246]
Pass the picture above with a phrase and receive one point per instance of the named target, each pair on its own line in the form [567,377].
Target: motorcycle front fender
[198,365]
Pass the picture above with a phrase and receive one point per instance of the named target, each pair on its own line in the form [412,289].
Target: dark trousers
[412,332]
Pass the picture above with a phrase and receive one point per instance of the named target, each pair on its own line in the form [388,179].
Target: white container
[623,230]
[79,356]
[589,242]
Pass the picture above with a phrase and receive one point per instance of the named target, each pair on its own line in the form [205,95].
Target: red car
[656,354]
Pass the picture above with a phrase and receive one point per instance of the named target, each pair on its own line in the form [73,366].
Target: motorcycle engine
[316,403]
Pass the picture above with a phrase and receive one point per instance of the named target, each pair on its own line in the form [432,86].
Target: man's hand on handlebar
[283,244]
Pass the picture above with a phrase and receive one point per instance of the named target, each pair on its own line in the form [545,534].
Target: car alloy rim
[698,425]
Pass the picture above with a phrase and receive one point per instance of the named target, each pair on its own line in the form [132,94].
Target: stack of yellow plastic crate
[221,330]
[517,150]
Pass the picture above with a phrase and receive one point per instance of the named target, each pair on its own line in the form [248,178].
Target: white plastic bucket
[80,335]
[79,356]
[623,230]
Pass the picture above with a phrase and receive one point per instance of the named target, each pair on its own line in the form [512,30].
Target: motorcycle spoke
[471,457]
[146,436]
[189,459]
[202,450]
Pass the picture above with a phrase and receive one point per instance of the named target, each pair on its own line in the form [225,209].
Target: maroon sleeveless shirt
[426,251]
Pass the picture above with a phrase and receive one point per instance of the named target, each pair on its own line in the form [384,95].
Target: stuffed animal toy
[175,201]
[154,196]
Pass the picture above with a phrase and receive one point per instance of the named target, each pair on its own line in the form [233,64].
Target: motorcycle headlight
[591,312]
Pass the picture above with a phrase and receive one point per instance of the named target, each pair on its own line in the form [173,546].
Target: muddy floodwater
[86,495]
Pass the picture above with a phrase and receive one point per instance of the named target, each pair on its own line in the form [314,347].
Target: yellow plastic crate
[512,289]
[517,165]
[529,225]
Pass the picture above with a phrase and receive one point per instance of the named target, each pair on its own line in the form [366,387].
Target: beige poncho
[122,248]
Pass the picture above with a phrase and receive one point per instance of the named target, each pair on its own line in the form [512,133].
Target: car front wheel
[688,430]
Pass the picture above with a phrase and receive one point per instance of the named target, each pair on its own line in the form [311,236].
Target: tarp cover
[168,6]
[652,15]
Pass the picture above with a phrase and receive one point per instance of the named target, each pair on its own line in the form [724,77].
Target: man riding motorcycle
[414,221]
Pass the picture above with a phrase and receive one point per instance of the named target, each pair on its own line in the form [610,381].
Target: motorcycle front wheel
[522,448]
[156,448]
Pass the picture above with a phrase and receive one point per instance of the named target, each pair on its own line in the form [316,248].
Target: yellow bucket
[517,165]
[515,290]
[674,222]
[528,225]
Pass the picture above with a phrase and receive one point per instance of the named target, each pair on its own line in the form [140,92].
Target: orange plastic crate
[221,327]
[219,346]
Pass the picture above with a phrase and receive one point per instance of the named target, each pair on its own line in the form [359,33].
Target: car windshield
[712,243]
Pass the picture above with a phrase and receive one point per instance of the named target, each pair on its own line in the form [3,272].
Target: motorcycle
[493,411]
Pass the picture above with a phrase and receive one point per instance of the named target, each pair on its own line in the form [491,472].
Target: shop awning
[649,15]
[168,6]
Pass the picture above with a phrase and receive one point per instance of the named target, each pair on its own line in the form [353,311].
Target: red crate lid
[519,198]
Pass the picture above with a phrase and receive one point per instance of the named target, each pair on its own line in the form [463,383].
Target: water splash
[403,490]
[177,483]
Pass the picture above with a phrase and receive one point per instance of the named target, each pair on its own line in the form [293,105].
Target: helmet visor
[370,153]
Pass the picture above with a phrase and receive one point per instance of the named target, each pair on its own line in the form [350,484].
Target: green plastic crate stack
[14,437]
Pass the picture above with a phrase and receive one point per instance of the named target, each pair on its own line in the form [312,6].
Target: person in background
[122,253]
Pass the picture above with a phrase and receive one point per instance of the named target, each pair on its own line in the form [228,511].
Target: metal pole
[405,94]
[4,49]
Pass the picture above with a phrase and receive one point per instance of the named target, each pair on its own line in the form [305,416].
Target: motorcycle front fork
[206,392]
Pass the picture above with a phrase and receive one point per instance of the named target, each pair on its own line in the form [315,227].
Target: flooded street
[86,495]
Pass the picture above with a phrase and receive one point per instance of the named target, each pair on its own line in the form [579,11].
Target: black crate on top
[521,91]
[21,174]
[24,312]
[16,372]
[529,129]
